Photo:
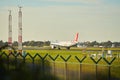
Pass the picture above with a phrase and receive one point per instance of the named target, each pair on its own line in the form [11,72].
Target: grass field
[73,53]
[79,52]
[88,64]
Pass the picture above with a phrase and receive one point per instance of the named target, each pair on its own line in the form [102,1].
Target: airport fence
[65,70]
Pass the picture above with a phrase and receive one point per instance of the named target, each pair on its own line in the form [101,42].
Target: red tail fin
[76,37]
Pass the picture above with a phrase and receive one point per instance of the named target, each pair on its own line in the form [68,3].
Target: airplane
[66,44]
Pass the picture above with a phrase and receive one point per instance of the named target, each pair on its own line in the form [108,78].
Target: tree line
[47,43]
[101,44]
[28,43]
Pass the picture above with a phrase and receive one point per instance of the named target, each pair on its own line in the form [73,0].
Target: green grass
[80,54]
[73,52]
[115,71]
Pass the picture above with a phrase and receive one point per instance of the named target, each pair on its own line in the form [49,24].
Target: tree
[15,43]
[92,44]
[47,43]
[108,44]
[1,43]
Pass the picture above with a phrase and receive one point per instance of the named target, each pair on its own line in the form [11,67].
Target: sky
[42,20]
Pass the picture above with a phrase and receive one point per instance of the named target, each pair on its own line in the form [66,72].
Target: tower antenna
[10,31]
[20,30]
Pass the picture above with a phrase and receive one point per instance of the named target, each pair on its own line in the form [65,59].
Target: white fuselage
[66,44]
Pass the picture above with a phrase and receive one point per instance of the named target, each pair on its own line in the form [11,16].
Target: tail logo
[76,37]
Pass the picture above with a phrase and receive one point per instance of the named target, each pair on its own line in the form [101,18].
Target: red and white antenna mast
[10,30]
[20,30]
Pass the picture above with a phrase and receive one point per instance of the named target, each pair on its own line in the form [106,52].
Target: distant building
[113,45]
[95,46]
